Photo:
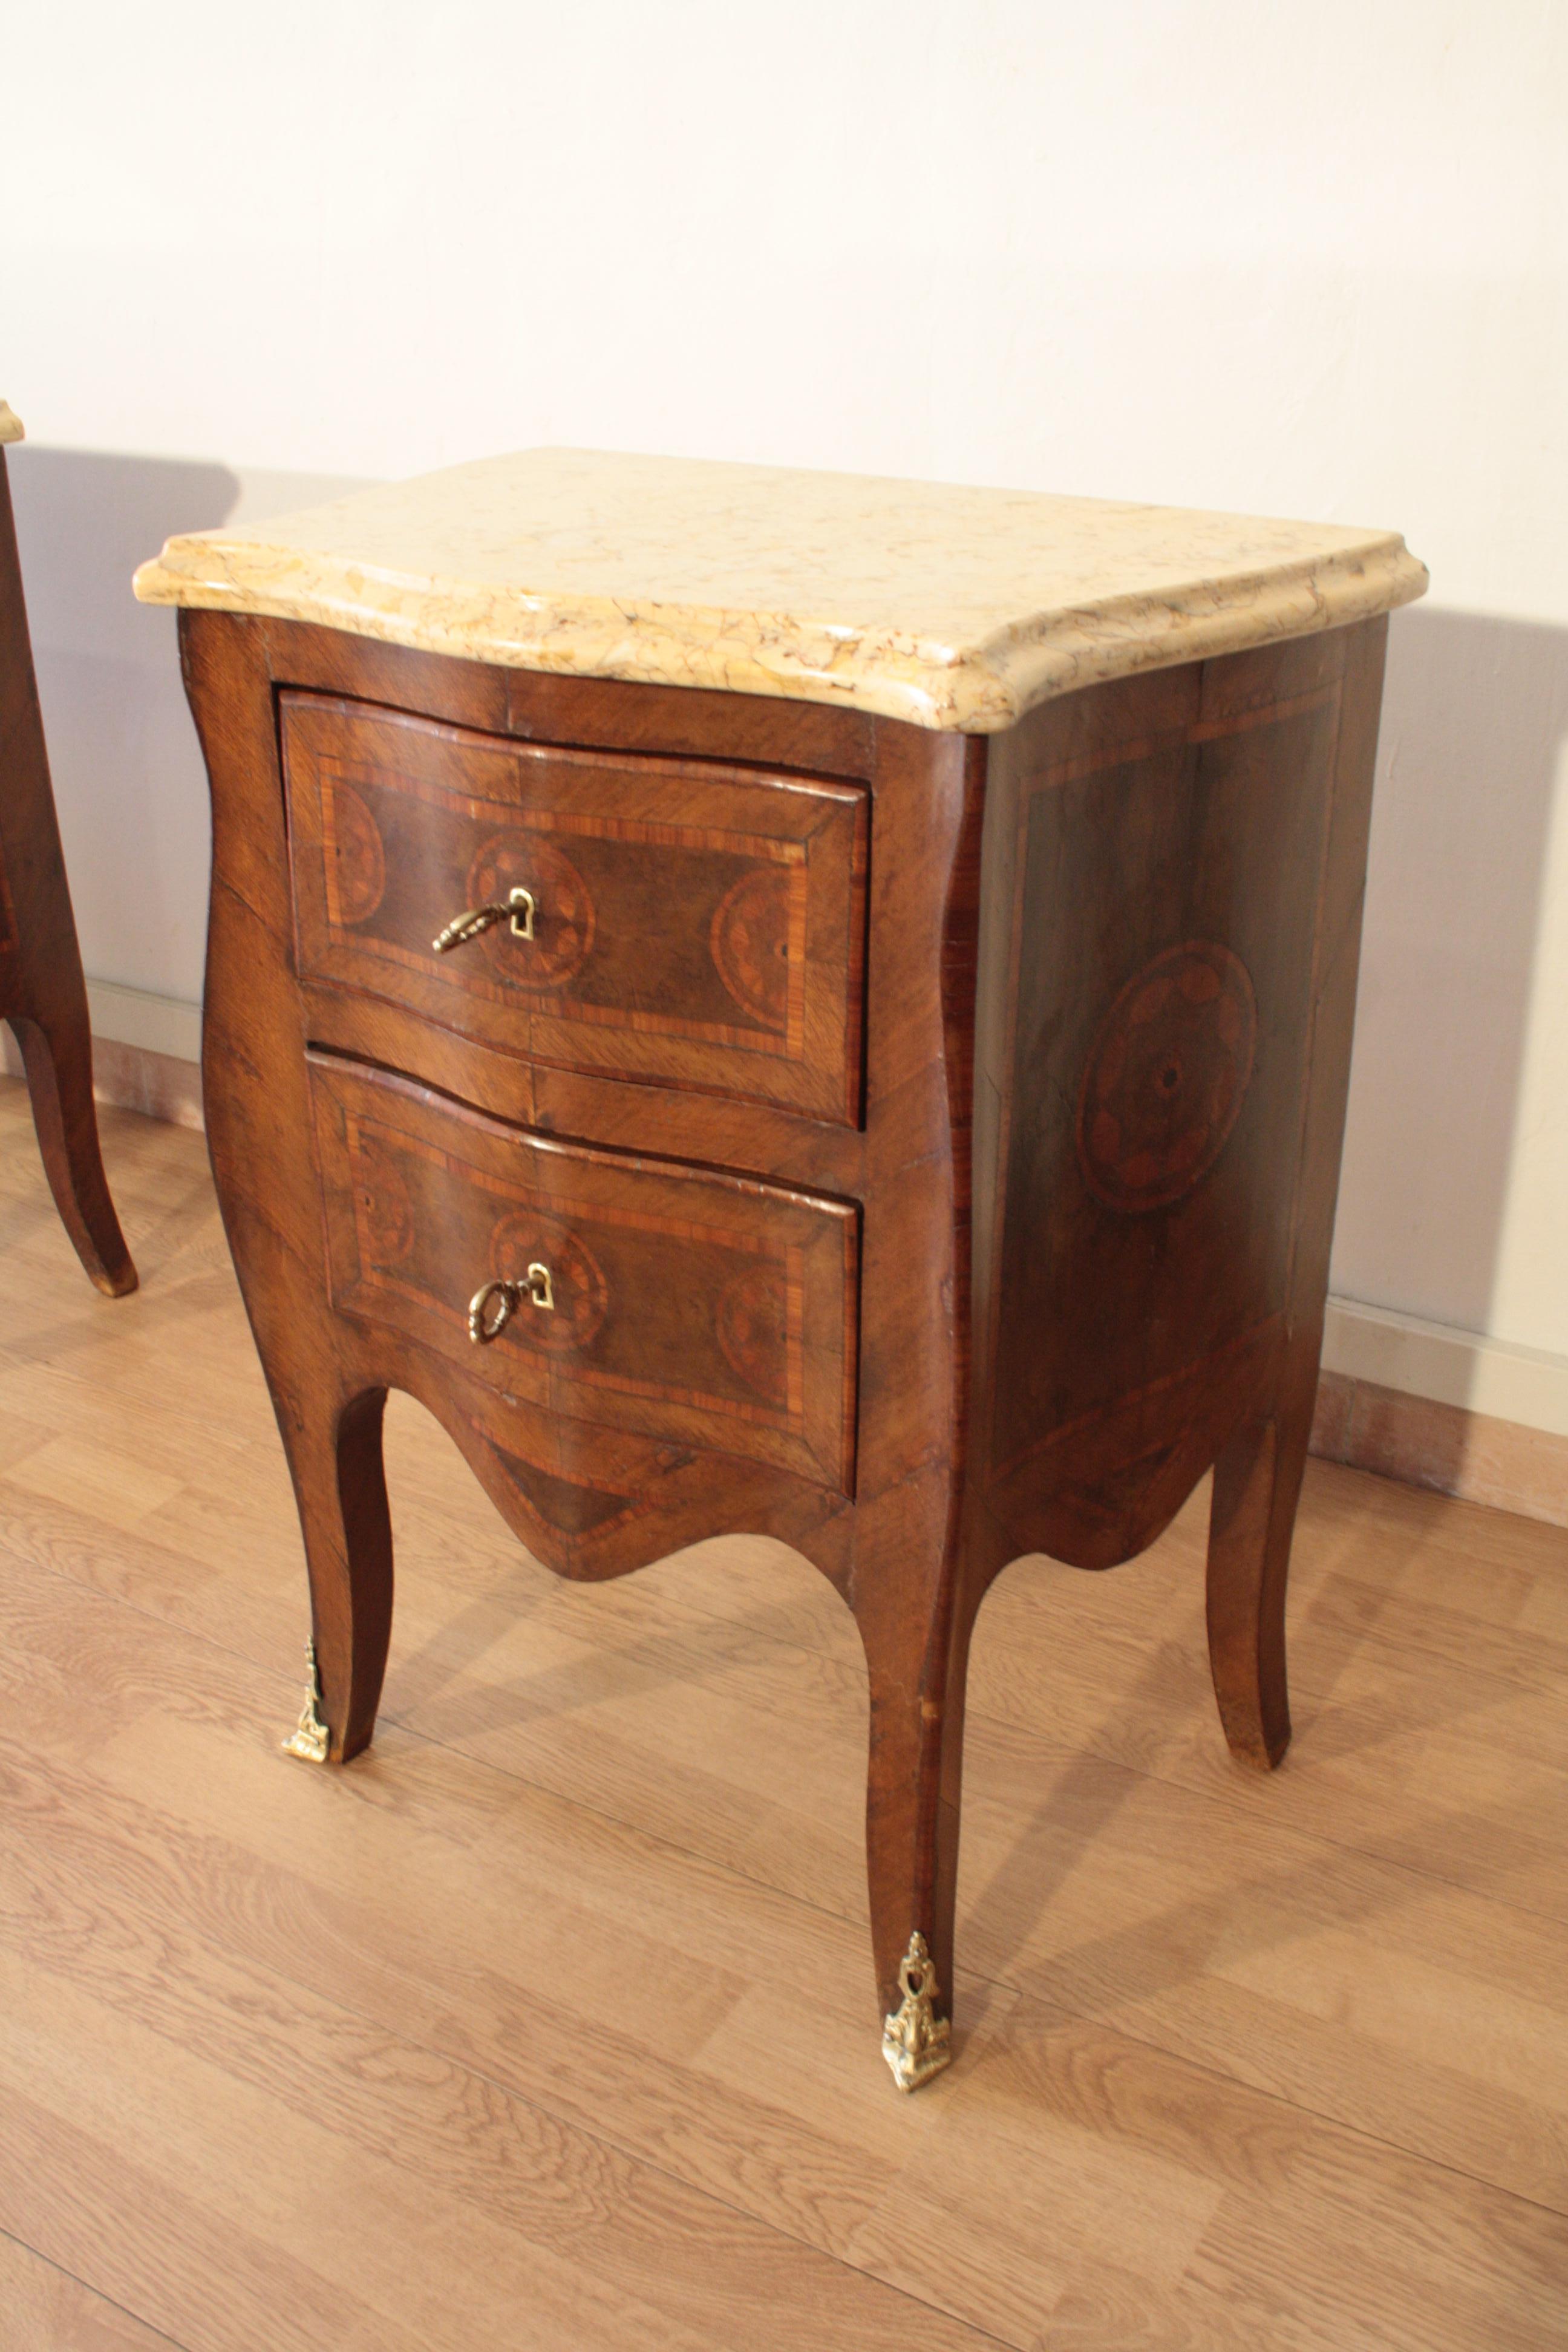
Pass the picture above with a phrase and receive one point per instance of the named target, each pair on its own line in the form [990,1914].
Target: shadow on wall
[1475,715]
[127,775]
[1475,712]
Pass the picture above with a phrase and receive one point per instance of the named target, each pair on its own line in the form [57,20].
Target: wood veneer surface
[1241,2062]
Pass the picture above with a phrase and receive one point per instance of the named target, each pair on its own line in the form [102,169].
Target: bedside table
[43,994]
[787,1003]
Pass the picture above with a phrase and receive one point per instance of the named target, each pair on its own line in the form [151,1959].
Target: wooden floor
[550,2021]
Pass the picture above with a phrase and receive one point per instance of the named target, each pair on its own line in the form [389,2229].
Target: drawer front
[703,1309]
[694,924]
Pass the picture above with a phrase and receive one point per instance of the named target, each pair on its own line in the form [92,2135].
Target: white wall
[1302,261]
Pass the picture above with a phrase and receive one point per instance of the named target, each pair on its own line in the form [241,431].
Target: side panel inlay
[1166,1076]
[1167,888]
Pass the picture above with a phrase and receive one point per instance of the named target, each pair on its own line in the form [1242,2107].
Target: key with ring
[517,910]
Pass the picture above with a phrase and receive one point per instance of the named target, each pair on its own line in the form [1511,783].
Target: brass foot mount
[916,2042]
[310,1737]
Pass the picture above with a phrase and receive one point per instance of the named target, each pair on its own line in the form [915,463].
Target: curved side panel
[1104,1488]
[1147,1030]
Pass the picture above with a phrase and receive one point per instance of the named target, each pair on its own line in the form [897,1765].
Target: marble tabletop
[10,425]
[948,607]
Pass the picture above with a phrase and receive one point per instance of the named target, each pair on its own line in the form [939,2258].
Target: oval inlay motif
[750,943]
[581,1295]
[386,1210]
[750,1323]
[1167,1073]
[563,911]
[359,857]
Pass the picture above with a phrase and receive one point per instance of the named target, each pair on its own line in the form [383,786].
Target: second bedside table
[788,1003]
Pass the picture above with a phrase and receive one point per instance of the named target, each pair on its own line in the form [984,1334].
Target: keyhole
[1169,1076]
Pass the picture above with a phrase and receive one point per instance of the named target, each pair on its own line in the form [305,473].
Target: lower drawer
[704,1309]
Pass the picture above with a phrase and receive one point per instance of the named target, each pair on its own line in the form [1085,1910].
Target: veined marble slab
[10,425]
[948,607]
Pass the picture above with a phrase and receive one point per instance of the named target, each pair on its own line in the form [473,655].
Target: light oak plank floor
[549,2023]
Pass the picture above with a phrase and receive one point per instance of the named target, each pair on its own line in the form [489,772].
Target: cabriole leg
[58,1063]
[916,1683]
[1257,1485]
[340,1486]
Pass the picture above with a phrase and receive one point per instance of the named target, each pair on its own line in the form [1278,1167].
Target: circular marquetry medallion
[1167,1077]
[751,1327]
[358,859]
[526,1238]
[750,943]
[563,911]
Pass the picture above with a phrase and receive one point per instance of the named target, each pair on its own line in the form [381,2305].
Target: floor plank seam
[593,2134]
[563,2000]
[1293,2107]
[388,1719]
[1367,1853]
[102,2293]
[1054,2001]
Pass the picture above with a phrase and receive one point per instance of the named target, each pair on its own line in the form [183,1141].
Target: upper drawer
[694,924]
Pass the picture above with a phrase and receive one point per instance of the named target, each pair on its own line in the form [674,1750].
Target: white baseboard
[133,1016]
[1465,1369]
[1453,1367]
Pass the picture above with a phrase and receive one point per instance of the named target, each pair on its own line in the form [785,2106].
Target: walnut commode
[43,994]
[780,1003]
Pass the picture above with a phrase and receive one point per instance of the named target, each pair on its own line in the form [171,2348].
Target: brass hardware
[517,912]
[492,1309]
[310,1735]
[481,1331]
[916,2042]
